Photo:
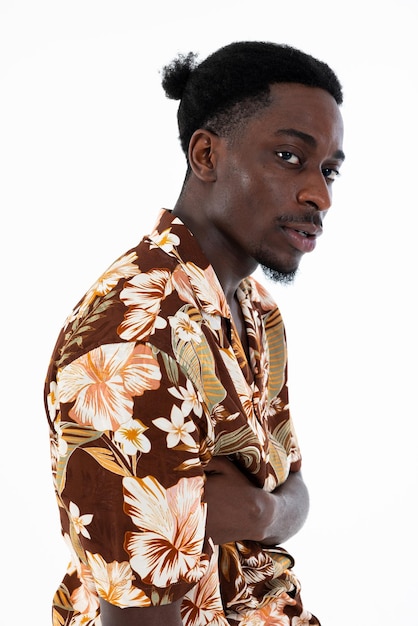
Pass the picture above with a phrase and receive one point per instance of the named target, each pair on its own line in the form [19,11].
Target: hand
[164,615]
[232,502]
[238,509]
[291,503]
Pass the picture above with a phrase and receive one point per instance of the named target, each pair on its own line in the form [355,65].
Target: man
[176,465]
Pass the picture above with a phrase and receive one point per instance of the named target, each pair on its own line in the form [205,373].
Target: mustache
[308,218]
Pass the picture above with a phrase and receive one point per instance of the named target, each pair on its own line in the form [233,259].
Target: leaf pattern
[75,436]
[83,324]
[277,352]
[197,362]
[108,460]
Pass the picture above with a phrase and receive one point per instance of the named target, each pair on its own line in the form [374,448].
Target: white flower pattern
[176,428]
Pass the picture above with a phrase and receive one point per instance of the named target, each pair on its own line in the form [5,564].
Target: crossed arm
[237,509]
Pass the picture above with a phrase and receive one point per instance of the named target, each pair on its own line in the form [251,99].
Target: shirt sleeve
[128,474]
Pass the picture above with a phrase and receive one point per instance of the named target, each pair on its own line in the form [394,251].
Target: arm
[289,509]
[238,509]
[164,615]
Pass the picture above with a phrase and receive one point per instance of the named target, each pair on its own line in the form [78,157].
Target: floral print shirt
[148,380]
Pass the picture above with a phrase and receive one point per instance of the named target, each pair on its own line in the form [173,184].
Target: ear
[203,153]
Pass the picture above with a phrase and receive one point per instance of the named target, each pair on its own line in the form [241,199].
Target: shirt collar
[172,236]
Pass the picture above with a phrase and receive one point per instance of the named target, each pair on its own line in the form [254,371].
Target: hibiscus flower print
[271,614]
[185,328]
[260,294]
[200,287]
[84,598]
[104,381]
[203,604]
[143,295]
[165,240]
[114,582]
[171,529]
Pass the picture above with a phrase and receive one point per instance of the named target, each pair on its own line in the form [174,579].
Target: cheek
[245,181]
[251,189]
[237,174]
[238,191]
[271,191]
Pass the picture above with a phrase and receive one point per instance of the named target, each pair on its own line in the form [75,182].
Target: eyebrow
[311,141]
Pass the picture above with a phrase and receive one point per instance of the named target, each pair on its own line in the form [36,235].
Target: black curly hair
[234,82]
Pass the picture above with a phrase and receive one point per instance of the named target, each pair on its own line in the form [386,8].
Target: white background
[88,155]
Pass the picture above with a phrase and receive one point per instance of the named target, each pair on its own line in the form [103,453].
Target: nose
[315,192]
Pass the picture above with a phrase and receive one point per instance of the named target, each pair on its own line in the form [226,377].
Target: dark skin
[259,199]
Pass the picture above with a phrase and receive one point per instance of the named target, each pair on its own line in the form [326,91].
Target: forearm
[284,511]
[238,509]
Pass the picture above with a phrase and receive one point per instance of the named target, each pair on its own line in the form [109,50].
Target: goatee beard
[284,278]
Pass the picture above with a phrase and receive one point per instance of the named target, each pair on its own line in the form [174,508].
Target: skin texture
[280,168]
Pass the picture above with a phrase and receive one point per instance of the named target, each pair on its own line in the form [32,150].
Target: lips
[304,239]
[303,232]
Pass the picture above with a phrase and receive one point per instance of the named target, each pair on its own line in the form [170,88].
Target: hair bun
[177,74]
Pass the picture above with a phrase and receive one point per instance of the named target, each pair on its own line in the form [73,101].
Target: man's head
[262,131]
[234,83]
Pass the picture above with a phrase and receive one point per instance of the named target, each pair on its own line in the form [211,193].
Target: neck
[229,270]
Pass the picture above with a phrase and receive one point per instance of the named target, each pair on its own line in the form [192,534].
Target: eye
[289,157]
[330,173]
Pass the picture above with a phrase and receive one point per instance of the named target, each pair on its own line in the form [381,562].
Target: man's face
[274,180]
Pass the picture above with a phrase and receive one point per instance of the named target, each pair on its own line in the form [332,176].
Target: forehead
[309,110]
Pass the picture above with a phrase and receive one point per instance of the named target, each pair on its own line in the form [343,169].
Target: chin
[279,276]
[277,270]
